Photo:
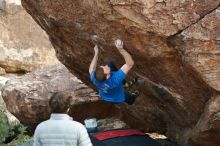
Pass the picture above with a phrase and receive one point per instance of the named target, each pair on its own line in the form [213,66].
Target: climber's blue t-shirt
[111,90]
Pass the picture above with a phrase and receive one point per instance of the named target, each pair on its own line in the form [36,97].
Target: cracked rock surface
[175,46]
[23,44]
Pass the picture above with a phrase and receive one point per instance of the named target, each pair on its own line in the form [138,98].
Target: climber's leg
[132,82]
[130,97]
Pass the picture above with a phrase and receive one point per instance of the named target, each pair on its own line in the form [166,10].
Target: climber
[110,81]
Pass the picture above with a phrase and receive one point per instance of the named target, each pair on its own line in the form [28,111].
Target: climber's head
[60,102]
[102,72]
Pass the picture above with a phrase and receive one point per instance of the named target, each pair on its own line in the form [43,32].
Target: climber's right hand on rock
[119,44]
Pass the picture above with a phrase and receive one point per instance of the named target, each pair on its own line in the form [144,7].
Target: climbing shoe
[134,81]
[135,93]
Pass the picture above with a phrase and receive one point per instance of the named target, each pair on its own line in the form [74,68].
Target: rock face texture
[175,46]
[23,44]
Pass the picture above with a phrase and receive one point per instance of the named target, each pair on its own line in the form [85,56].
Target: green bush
[7,129]
[4,126]
[22,136]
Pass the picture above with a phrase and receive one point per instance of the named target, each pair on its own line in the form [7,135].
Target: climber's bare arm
[93,64]
[129,63]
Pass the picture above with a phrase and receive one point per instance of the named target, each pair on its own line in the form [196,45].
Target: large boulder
[175,45]
[23,44]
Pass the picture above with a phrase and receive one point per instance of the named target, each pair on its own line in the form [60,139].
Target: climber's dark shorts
[129,99]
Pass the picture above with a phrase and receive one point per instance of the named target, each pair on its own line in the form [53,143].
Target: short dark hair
[99,74]
[59,102]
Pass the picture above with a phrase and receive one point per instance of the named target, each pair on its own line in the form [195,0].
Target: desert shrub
[15,132]
[4,126]
[22,136]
